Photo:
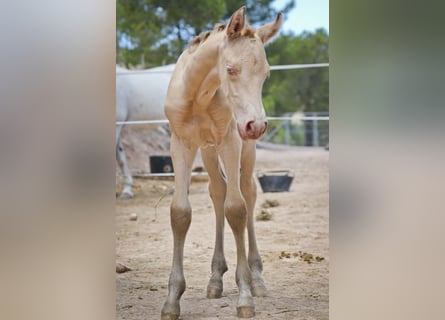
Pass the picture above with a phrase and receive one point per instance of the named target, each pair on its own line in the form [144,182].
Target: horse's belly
[147,110]
[147,98]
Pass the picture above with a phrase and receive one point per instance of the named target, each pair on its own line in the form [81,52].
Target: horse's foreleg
[217,190]
[249,191]
[122,161]
[180,219]
[236,213]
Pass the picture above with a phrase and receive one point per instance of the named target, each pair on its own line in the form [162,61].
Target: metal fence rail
[291,124]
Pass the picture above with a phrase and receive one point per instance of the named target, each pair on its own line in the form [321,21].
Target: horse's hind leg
[180,219]
[217,190]
[122,161]
[249,190]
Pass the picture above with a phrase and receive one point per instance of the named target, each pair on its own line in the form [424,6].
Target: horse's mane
[194,43]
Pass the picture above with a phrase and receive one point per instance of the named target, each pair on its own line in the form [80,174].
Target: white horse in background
[140,95]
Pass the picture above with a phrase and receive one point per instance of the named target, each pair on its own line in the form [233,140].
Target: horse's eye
[231,70]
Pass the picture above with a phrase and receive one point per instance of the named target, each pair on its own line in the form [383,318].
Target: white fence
[303,124]
[272,68]
[287,121]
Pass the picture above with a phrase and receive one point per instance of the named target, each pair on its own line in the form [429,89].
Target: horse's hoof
[245,311]
[169,316]
[170,312]
[126,195]
[214,292]
[259,290]
[214,288]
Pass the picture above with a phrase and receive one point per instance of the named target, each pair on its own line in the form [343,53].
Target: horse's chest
[203,130]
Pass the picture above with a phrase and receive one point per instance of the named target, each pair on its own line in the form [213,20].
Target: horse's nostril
[256,129]
[250,126]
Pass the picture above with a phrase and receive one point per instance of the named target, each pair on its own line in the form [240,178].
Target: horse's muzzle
[253,129]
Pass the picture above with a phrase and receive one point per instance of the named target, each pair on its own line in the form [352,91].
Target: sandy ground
[293,244]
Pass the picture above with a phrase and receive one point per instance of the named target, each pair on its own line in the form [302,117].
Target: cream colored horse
[214,103]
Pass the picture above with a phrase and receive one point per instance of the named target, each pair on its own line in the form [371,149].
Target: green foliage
[295,90]
[187,14]
[258,11]
[155,32]
[298,90]
[138,29]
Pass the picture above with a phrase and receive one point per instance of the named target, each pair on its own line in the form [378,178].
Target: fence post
[287,132]
[315,130]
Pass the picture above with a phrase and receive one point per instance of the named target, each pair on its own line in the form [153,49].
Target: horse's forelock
[204,35]
[219,27]
[248,31]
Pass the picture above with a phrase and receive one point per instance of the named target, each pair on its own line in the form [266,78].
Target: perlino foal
[214,103]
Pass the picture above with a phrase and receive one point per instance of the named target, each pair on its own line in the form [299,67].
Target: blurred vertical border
[57,167]
[387,160]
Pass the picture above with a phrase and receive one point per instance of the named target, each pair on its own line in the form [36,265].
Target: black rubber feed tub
[161,164]
[275,180]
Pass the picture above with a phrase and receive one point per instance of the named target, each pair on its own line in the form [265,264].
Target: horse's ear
[236,24]
[268,31]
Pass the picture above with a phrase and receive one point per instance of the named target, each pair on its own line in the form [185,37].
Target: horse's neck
[201,71]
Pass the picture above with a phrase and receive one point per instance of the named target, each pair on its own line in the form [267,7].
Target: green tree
[138,30]
[258,11]
[185,19]
[298,90]
[155,32]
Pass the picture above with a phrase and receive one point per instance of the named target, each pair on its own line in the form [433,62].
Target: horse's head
[243,68]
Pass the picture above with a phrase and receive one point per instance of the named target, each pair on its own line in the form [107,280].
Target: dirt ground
[293,245]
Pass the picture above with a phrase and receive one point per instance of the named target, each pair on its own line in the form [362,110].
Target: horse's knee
[180,217]
[236,214]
